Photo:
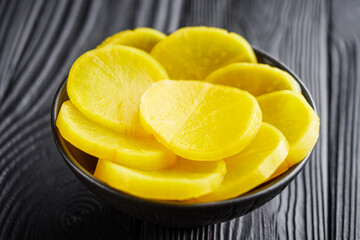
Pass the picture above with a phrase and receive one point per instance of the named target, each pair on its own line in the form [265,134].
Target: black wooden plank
[345,120]
[41,199]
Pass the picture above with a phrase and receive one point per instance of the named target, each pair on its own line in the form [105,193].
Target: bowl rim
[282,180]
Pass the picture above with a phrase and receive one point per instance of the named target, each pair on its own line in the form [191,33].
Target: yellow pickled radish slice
[199,120]
[280,170]
[194,52]
[257,79]
[141,38]
[185,180]
[252,166]
[293,116]
[96,140]
[106,85]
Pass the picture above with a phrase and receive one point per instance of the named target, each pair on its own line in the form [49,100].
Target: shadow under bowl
[174,214]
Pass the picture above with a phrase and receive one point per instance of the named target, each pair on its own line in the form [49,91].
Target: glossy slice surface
[257,79]
[252,166]
[199,120]
[293,116]
[142,38]
[94,139]
[280,170]
[106,85]
[186,179]
[194,52]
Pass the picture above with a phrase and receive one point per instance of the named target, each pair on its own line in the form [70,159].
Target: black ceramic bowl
[171,213]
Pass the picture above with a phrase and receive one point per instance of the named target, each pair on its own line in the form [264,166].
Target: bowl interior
[84,165]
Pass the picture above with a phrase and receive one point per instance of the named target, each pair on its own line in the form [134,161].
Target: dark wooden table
[39,40]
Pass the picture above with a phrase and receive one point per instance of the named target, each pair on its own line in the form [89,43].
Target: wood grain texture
[39,40]
[344,128]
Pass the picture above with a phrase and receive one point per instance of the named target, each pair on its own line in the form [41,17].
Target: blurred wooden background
[39,40]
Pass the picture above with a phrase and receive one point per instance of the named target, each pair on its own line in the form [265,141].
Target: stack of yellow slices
[187,117]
